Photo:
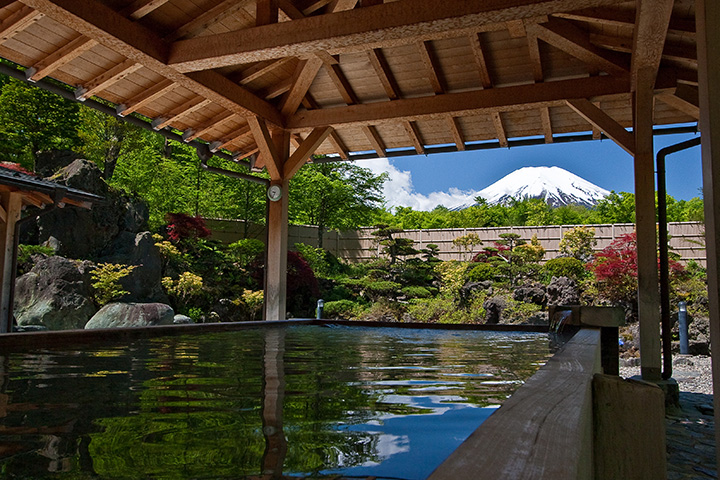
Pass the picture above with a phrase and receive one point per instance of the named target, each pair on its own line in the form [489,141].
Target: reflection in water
[305,401]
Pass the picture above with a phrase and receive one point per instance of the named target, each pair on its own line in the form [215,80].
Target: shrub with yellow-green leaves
[106,281]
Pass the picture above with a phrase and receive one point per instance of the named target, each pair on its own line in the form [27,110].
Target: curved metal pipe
[663,251]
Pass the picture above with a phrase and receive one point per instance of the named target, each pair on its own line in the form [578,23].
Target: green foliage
[467,242]
[415,291]
[532,252]
[565,267]
[452,277]
[393,247]
[106,281]
[253,300]
[322,262]
[578,243]
[185,286]
[26,252]
[482,272]
[431,253]
[343,309]
[246,250]
[381,289]
[520,312]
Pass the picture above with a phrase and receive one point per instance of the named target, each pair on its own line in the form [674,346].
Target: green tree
[616,208]
[578,242]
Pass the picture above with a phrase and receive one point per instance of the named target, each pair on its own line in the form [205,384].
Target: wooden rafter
[605,123]
[338,145]
[61,57]
[158,90]
[18,21]
[535,60]
[670,51]
[305,73]
[341,5]
[546,124]
[651,25]
[182,111]
[266,12]
[596,132]
[432,69]
[212,16]
[143,46]
[684,98]
[516,28]
[260,69]
[456,132]
[306,148]
[341,82]
[107,79]
[203,129]
[290,10]
[266,147]
[141,8]
[499,128]
[374,138]
[624,18]
[315,6]
[234,137]
[277,89]
[414,134]
[355,30]
[480,60]
[520,97]
[382,69]
[574,41]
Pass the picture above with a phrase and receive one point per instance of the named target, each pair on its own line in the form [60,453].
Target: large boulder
[144,282]
[122,315]
[562,291]
[50,161]
[494,307]
[55,293]
[530,293]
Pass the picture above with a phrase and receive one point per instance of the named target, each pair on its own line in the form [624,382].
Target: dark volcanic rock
[562,291]
[530,293]
[494,307]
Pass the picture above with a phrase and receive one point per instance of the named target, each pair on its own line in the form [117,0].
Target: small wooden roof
[39,192]
[382,75]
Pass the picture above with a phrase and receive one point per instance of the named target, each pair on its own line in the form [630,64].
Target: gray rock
[227,311]
[182,320]
[144,282]
[540,318]
[55,294]
[122,315]
[49,162]
[494,307]
[562,291]
[530,293]
[469,289]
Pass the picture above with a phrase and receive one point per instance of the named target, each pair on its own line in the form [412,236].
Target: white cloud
[399,191]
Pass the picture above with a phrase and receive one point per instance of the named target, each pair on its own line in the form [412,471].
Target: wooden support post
[12,203]
[707,14]
[272,403]
[648,295]
[277,242]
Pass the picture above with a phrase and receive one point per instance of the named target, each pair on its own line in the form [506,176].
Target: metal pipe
[663,252]
[683,328]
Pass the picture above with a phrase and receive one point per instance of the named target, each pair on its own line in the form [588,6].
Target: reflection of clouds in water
[388,445]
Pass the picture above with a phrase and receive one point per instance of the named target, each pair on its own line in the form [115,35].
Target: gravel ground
[692,372]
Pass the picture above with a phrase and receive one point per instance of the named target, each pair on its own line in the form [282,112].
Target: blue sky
[423,182]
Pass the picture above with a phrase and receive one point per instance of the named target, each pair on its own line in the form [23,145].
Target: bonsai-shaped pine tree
[394,247]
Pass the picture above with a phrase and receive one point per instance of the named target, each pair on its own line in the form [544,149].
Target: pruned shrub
[415,291]
[342,309]
[246,250]
[106,281]
[569,267]
[482,272]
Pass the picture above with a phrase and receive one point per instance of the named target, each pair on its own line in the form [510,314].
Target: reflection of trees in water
[235,404]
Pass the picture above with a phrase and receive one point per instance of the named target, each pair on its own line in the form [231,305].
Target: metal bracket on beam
[80,93]
[29,72]
[120,109]
[157,122]
[186,134]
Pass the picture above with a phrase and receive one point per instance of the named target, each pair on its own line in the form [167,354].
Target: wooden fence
[687,238]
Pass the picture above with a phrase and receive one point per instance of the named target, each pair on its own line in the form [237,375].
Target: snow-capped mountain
[553,184]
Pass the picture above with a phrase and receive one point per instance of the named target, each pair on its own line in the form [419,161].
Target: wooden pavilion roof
[349,76]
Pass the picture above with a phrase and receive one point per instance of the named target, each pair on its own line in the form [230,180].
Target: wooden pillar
[277,244]
[648,294]
[708,49]
[11,203]
[272,403]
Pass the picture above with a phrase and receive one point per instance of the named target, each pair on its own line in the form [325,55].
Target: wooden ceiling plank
[338,145]
[304,76]
[261,69]
[546,124]
[456,131]
[670,51]
[266,12]
[266,146]
[308,146]
[140,8]
[625,19]
[214,122]
[341,83]
[432,68]
[187,108]
[574,41]
[18,21]
[375,141]
[499,128]
[107,79]
[382,70]
[277,89]
[586,109]
[210,17]
[136,42]
[60,57]
[357,30]
[535,60]
[480,60]
[237,135]
[292,12]
[519,97]
[414,134]
[147,96]
[685,99]
[5,3]
[651,25]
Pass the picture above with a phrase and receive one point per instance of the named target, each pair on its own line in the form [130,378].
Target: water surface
[302,400]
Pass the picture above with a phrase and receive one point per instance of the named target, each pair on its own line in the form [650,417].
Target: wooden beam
[182,111]
[107,79]
[414,134]
[338,145]
[516,28]
[18,21]
[12,204]
[684,99]
[521,97]
[596,132]
[292,12]
[305,73]
[671,51]
[651,26]
[263,139]
[341,5]
[546,124]
[158,90]
[210,17]
[301,155]
[624,19]
[456,132]
[61,57]
[261,69]
[390,24]
[382,69]
[499,128]
[315,6]
[432,68]
[567,37]
[141,8]
[480,60]
[341,82]
[266,12]
[277,89]
[234,137]
[214,122]
[535,60]
[604,122]
[135,42]
[277,238]
[375,141]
